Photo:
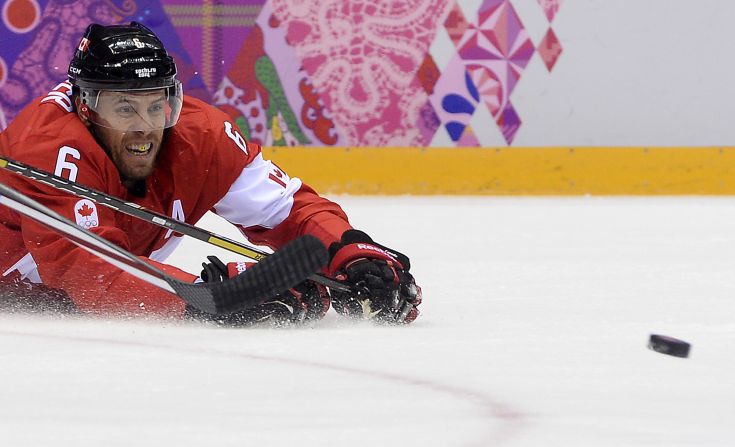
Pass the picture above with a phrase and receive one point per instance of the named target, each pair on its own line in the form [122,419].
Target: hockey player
[122,125]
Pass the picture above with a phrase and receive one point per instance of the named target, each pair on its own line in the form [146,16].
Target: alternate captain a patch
[85,212]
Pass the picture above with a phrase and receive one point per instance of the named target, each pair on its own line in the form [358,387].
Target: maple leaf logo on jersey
[85,212]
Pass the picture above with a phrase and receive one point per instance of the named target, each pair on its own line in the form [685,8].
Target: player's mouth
[139,149]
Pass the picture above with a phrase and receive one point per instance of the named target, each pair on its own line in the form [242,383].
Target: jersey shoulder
[199,116]
[207,128]
[49,135]
[47,115]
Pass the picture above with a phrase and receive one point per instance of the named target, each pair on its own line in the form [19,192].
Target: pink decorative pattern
[456,25]
[499,43]
[551,7]
[549,49]
[269,96]
[494,51]
[362,56]
[454,100]
[489,87]
[308,72]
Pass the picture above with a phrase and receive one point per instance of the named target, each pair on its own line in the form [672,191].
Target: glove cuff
[360,250]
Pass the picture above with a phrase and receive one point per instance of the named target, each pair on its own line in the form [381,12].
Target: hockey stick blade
[279,272]
[284,269]
[135,210]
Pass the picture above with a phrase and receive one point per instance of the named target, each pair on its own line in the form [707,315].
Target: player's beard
[134,167]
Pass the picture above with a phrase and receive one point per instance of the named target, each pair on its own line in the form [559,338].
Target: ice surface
[536,317]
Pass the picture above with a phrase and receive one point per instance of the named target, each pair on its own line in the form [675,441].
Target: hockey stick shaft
[284,269]
[137,211]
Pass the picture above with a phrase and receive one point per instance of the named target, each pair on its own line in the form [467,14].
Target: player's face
[130,127]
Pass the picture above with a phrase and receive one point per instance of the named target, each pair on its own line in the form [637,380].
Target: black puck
[669,345]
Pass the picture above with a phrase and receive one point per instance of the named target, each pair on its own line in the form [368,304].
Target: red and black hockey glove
[307,301]
[382,287]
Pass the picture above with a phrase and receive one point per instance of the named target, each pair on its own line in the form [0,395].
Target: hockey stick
[135,210]
[280,271]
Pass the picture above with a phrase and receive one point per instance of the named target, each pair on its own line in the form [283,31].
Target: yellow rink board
[512,171]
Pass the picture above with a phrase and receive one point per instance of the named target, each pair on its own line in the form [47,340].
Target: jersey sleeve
[272,208]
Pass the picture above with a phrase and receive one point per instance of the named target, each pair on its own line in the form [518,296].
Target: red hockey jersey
[204,164]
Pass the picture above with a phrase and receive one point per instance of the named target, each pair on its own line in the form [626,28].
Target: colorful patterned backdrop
[309,72]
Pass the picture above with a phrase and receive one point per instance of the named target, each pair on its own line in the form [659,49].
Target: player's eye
[156,108]
[125,110]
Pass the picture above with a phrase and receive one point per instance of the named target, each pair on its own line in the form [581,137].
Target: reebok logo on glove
[375,249]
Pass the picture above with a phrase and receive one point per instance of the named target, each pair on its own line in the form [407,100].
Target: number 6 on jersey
[236,137]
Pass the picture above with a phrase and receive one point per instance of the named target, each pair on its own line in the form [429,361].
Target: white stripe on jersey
[256,199]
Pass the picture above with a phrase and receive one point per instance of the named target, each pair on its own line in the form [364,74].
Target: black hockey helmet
[124,58]
[121,57]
